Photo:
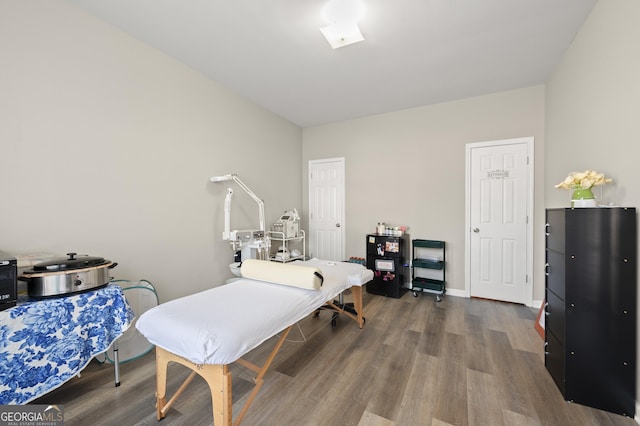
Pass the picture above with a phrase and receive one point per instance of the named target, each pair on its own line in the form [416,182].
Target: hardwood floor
[416,362]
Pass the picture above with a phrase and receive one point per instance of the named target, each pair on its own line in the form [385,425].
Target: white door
[498,207]
[326,209]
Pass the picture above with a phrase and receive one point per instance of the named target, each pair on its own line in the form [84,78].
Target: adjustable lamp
[222,178]
[234,177]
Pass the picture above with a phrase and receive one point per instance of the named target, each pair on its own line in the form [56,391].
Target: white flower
[583,180]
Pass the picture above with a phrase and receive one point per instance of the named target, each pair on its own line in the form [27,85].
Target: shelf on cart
[428,243]
[285,260]
[427,283]
[428,263]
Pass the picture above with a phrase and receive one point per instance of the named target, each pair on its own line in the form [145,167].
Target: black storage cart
[387,257]
[428,267]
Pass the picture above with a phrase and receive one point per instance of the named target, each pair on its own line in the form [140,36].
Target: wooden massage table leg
[217,377]
[356,291]
[261,372]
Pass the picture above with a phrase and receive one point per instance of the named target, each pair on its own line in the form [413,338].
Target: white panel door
[499,193]
[326,209]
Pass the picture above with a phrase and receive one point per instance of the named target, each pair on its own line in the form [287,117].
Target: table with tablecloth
[44,343]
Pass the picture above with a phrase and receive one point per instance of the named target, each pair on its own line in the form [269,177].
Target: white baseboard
[462,293]
[455,292]
[447,292]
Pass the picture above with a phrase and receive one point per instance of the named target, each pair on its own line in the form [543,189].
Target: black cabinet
[387,258]
[590,312]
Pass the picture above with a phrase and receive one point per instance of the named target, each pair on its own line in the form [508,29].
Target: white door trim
[529,141]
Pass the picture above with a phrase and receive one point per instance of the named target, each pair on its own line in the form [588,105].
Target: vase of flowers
[581,184]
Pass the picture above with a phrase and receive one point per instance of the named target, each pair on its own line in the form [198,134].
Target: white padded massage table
[209,330]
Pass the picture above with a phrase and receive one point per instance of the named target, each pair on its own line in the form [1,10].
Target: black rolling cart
[428,267]
[387,257]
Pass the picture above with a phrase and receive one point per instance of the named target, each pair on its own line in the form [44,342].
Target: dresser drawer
[554,360]
[555,273]
[554,321]
[555,230]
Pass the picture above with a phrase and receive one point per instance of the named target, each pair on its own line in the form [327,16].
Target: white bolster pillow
[306,277]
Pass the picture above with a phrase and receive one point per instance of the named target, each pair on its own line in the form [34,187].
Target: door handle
[546,229]
[476,230]
[337,225]
[547,268]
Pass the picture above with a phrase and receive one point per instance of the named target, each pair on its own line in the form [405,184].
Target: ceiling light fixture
[343,17]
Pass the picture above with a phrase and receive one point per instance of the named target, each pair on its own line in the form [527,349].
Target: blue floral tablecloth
[44,343]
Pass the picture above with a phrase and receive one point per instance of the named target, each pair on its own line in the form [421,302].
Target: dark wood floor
[416,362]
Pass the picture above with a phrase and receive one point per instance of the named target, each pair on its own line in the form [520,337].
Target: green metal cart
[428,272]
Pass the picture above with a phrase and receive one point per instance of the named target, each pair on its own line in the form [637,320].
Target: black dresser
[590,323]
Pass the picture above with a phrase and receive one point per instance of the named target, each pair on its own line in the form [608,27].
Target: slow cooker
[63,276]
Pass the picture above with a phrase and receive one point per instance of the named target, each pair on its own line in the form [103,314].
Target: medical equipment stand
[346,307]
[279,239]
[116,362]
[247,241]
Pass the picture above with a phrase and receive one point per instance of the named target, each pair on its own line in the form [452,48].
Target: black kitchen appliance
[8,281]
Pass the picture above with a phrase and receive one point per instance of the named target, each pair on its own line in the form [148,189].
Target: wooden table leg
[217,377]
[161,381]
[356,291]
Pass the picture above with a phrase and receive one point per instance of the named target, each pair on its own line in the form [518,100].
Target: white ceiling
[415,52]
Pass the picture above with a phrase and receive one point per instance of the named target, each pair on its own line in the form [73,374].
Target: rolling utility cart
[283,242]
[428,267]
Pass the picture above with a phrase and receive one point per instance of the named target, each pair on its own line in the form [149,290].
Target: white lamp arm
[246,189]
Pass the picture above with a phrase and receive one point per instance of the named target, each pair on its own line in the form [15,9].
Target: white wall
[408,168]
[593,105]
[108,145]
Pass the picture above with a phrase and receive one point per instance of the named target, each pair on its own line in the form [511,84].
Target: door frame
[341,162]
[529,141]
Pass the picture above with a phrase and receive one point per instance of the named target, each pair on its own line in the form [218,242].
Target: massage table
[207,331]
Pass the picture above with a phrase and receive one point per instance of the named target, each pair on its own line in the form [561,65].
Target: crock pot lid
[70,263]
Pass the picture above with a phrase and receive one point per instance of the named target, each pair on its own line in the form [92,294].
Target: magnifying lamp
[234,177]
